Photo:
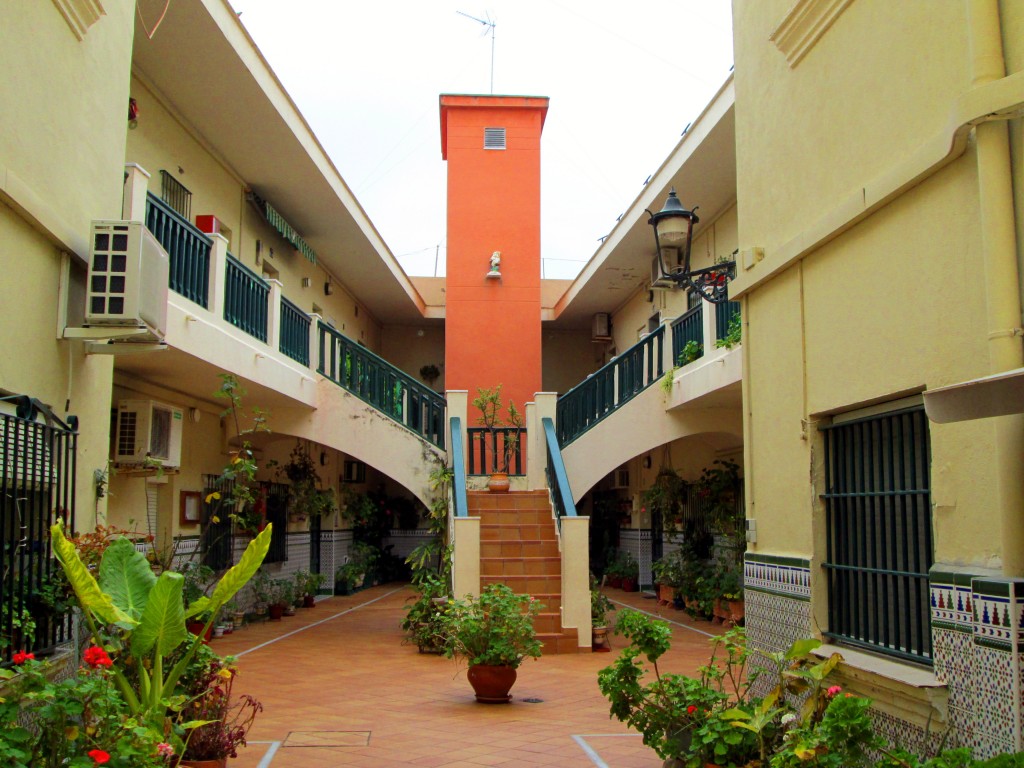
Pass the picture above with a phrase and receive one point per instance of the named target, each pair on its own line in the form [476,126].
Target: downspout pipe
[1002,279]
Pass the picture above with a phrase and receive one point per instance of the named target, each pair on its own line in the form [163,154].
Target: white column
[708,316]
[218,269]
[458,405]
[576,577]
[543,406]
[314,341]
[136,184]
[274,314]
[668,360]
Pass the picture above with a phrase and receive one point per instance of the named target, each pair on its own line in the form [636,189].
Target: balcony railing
[245,299]
[487,445]
[611,387]
[188,248]
[686,328]
[294,332]
[382,385]
[724,314]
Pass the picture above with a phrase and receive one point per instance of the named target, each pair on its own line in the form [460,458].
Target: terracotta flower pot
[492,683]
[276,612]
[195,627]
[220,762]
[599,640]
[309,601]
[629,584]
[499,482]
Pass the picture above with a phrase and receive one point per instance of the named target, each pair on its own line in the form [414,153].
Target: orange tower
[492,317]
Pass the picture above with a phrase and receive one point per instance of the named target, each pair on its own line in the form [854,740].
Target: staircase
[518,547]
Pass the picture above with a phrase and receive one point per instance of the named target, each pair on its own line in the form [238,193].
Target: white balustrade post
[218,274]
[667,358]
[543,406]
[274,314]
[708,317]
[314,343]
[133,201]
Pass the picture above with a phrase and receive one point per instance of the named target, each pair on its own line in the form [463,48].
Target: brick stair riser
[510,549]
[528,566]
[517,532]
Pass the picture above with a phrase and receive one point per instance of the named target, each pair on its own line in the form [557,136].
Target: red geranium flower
[691,709]
[21,657]
[99,756]
[96,657]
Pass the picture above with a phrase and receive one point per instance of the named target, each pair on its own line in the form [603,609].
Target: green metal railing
[294,332]
[188,248]
[486,446]
[459,466]
[724,313]
[558,479]
[686,328]
[382,385]
[610,387]
[878,527]
[246,298]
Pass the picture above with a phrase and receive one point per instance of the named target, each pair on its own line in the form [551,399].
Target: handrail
[558,480]
[689,326]
[188,248]
[459,467]
[246,297]
[496,444]
[376,381]
[611,386]
[294,340]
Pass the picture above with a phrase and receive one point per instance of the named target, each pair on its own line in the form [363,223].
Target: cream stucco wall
[895,304]
[61,156]
[412,347]
[568,358]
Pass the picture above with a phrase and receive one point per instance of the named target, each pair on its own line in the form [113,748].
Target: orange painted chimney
[492,316]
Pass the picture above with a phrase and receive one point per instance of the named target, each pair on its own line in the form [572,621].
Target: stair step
[527,585]
[566,641]
[519,548]
[515,517]
[521,566]
[515,532]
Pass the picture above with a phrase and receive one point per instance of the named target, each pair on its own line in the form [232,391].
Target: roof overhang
[702,168]
[203,62]
[1001,394]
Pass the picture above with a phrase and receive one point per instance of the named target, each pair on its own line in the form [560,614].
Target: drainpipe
[1002,280]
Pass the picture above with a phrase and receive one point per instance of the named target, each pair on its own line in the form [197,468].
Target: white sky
[624,79]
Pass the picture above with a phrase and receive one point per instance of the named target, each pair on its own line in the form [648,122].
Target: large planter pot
[736,611]
[615,582]
[599,640]
[492,683]
[499,482]
[666,593]
[195,627]
[276,612]
[220,762]
[309,601]
[629,584]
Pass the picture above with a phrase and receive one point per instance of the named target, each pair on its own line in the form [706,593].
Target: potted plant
[630,573]
[224,722]
[307,584]
[613,573]
[197,578]
[493,633]
[306,497]
[488,402]
[424,616]
[600,607]
[430,373]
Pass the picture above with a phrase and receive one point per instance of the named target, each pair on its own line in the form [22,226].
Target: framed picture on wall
[191,507]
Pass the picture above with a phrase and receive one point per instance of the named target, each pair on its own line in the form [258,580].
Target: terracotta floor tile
[342,667]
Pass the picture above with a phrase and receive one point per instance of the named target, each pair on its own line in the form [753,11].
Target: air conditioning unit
[601,330]
[620,479]
[148,430]
[128,275]
[659,281]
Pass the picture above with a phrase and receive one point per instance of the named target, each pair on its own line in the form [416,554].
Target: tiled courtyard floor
[339,688]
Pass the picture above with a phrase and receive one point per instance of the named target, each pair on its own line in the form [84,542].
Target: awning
[1000,394]
[277,221]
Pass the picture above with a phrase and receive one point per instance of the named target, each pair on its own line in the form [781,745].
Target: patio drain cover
[533,701]
[327,739]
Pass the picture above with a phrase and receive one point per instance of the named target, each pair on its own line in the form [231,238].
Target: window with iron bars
[879,532]
[175,194]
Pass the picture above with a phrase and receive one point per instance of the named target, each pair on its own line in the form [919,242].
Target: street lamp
[673,228]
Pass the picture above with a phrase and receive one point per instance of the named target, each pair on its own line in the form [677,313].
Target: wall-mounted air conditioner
[620,479]
[601,330]
[128,274]
[657,279]
[148,430]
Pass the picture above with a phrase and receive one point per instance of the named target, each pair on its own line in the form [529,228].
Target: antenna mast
[491,24]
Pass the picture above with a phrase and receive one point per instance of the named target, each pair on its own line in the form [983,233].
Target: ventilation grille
[494,138]
[126,433]
[109,270]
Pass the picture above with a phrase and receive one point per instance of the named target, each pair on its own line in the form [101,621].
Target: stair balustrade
[246,297]
[188,248]
[294,332]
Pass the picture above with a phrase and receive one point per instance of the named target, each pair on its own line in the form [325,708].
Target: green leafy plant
[668,380]
[489,403]
[141,617]
[600,605]
[78,722]
[733,334]
[435,553]
[494,629]
[424,618]
[691,352]
[305,492]
[308,583]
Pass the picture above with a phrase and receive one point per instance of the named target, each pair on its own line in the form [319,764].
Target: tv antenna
[491,24]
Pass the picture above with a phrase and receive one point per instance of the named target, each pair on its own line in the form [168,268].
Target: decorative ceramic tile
[900,733]
[790,576]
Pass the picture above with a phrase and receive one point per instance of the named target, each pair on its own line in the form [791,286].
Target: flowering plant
[494,629]
[80,722]
[224,722]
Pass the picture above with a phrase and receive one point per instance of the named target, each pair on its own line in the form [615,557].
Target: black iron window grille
[176,195]
[879,533]
[37,487]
